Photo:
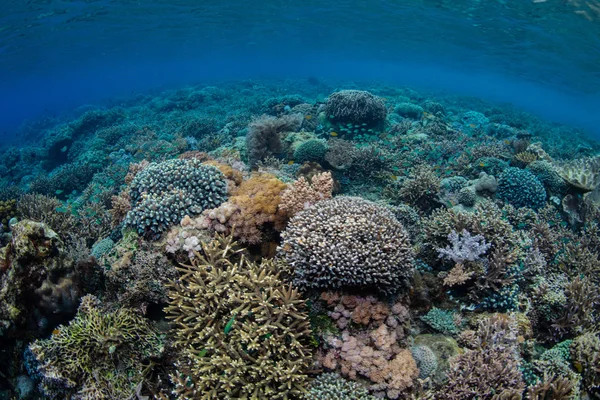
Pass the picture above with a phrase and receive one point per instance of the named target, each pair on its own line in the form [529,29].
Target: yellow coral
[583,173]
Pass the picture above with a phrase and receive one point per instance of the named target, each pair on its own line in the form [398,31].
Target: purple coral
[464,247]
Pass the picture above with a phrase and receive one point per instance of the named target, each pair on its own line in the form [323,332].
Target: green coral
[331,386]
[99,355]
[243,332]
[163,193]
[311,150]
[441,320]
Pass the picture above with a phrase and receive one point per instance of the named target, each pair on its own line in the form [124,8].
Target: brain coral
[243,332]
[355,106]
[521,188]
[163,193]
[347,242]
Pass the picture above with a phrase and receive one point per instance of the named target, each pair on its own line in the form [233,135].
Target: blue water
[56,55]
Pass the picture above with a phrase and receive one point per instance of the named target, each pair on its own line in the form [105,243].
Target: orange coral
[300,194]
[253,204]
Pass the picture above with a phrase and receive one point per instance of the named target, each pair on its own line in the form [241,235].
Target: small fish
[202,353]
[308,117]
[506,141]
[394,177]
[58,192]
[229,325]
[334,134]
[472,126]
[291,162]
[56,332]
[482,164]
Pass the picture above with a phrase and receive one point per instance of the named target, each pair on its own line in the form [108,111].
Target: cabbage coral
[242,331]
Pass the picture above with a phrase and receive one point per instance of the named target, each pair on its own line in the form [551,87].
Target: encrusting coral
[243,332]
[349,243]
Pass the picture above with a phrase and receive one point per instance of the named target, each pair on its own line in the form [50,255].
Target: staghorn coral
[163,193]
[464,247]
[301,194]
[263,137]
[583,174]
[243,332]
[585,357]
[349,243]
[355,107]
[491,368]
[252,209]
[99,355]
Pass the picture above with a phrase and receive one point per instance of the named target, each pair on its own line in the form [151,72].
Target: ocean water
[300,200]
[541,56]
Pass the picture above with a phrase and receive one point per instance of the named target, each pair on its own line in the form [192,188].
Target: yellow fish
[56,332]
[308,117]
[290,162]
[334,134]
[473,126]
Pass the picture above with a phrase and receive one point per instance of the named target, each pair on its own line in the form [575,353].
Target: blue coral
[521,188]
[163,193]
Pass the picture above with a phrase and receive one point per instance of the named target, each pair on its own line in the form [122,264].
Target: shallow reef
[300,241]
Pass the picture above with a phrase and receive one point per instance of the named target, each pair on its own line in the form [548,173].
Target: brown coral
[583,173]
[243,332]
[301,194]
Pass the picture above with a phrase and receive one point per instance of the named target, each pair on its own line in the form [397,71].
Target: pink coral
[300,194]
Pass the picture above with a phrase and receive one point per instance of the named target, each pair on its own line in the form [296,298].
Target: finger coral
[350,243]
[301,194]
[163,193]
[243,332]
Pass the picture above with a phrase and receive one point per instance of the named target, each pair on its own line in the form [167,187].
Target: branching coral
[99,355]
[585,356]
[331,386]
[301,194]
[163,193]
[490,369]
[422,188]
[356,107]
[350,243]
[243,332]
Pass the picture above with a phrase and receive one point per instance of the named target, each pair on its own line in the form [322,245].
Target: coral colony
[223,243]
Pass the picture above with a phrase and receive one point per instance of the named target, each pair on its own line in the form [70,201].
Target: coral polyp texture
[163,193]
[583,173]
[521,188]
[243,332]
[348,243]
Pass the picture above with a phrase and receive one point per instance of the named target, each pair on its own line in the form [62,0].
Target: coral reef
[349,243]
[521,188]
[243,332]
[355,107]
[301,194]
